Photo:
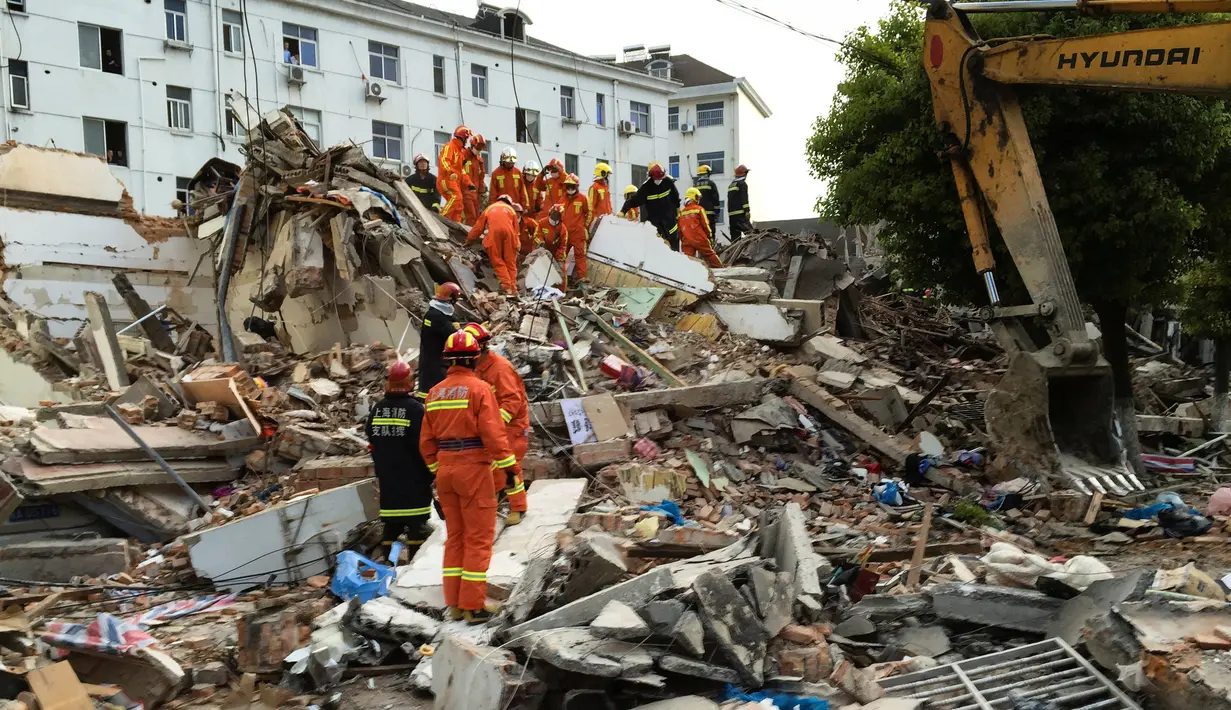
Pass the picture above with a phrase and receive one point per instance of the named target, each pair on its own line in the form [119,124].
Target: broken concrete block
[697,669]
[635,592]
[619,621]
[578,650]
[857,683]
[922,640]
[829,347]
[1003,607]
[684,702]
[598,563]
[732,623]
[690,634]
[794,553]
[855,627]
[664,614]
[467,676]
[773,594]
[1099,598]
[385,618]
[598,454]
[61,560]
[759,321]
[882,607]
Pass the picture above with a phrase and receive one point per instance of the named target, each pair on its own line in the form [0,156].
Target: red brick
[799,634]
[1211,642]
[602,453]
[812,663]
[539,467]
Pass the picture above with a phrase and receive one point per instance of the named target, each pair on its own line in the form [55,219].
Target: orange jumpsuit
[462,440]
[600,200]
[515,411]
[576,217]
[501,242]
[452,179]
[508,181]
[551,192]
[529,235]
[475,169]
[695,233]
[551,235]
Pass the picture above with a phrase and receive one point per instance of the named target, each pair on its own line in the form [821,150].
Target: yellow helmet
[602,170]
[630,190]
[692,193]
[703,170]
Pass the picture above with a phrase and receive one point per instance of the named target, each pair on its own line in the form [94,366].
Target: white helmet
[508,154]
[532,167]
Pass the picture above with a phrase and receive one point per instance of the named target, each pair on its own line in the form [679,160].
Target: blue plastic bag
[670,508]
[348,580]
[782,701]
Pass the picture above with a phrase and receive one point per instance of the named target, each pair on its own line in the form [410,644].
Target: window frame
[181,193]
[233,31]
[576,163]
[24,76]
[640,173]
[568,103]
[382,61]
[177,19]
[522,116]
[230,125]
[300,40]
[385,140]
[106,146]
[440,79]
[477,81]
[633,113]
[20,9]
[179,110]
[437,147]
[600,109]
[673,166]
[709,108]
[301,114]
[656,67]
[673,118]
[710,161]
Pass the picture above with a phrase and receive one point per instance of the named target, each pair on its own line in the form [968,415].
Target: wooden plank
[568,340]
[792,276]
[627,345]
[1096,504]
[960,570]
[58,688]
[839,413]
[318,201]
[921,543]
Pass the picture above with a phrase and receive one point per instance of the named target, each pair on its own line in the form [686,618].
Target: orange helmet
[460,346]
[462,133]
[741,171]
[398,378]
[555,164]
[478,142]
[571,179]
[480,333]
[656,171]
[448,291]
[556,213]
[508,199]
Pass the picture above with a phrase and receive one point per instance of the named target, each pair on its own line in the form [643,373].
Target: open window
[181,191]
[232,31]
[568,103]
[16,5]
[513,25]
[660,69]
[600,110]
[527,126]
[571,164]
[299,45]
[107,138]
[19,84]
[101,48]
[176,12]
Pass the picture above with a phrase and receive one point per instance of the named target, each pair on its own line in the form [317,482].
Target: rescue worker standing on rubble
[576,217]
[739,215]
[463,440]
[660,202]
[498,372]
[472,197]
[552,232]
[633,214]
[600,193]
[423,183]
[709,197]
[507,179]
[405,483]
[696,234]
[528,228]
[530,176]
[451,176]
[501,242]
[550,185]
[438,324]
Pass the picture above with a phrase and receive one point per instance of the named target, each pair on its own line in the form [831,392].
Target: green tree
[1122,170]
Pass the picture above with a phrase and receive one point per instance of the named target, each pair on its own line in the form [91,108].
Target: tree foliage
[1122,170]
[1205,303]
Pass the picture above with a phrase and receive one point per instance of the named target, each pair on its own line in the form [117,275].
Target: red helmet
[507,199]
[555,164]
[460,346]
[480,333]
[571,179]
[741,171]
[399,377]
[419,157]
[657,172]
[462,133]
[556,213]
[448,291]
[478,141]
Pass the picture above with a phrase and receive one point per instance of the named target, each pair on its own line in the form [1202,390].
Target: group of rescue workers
[465,428]
[531,207]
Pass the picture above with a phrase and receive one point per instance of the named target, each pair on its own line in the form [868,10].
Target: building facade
[146,84]
[714,119]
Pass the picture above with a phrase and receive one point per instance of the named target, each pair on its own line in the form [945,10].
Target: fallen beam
[629,347]
[897,554]
[703,396]
[837,412]
[40,480]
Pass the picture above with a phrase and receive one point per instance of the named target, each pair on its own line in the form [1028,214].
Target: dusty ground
[383,693]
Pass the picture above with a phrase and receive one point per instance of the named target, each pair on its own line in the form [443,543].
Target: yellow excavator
[1052,414]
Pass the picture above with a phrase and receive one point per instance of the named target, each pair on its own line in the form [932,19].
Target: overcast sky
[794,74]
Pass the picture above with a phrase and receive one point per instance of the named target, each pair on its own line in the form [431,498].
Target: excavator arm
[1044,429]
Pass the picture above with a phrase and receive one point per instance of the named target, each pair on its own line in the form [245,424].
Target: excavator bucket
[1058,423]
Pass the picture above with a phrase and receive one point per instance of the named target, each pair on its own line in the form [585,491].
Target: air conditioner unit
[376,90]
[628,128]
[406,169]
[296,75]
[688,127]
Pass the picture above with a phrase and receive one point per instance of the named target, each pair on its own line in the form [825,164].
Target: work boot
[513,518]
[456,613]
[481,616]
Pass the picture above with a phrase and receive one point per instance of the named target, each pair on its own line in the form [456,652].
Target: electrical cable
[19,45]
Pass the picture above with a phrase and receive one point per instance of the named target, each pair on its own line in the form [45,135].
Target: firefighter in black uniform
[739,216]
[438,324]
[423,183]
[660,204]
[405,482]
[709,198]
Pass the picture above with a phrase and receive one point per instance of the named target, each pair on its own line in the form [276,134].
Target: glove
[510,476]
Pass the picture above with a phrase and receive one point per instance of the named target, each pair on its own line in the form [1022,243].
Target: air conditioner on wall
[296,75]
[688,127]
[628,128]
[406,169]
[376,90]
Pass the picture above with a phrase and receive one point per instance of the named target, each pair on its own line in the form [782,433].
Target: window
[478,81]
[106,138]
[527,126]
[486,157]
[233,127]
[16,5]
[715,160]
[101,48]
[440,138]
[673,166]
[568,108]
[673,118]
[718,212]
[386,140]
[438,74]
[709,114]
[311,121]
[639,114]
[660,69]
[298,45]
[383,61]
[177,20]
[600,110]
[232,31]
[19,83]
[513,26]
[640,173]
[570,163]
[179,108]
[181,190]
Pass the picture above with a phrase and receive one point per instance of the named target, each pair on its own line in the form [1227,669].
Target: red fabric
[695,234]
[528,238]
[511,395]
[508,181]
[551,235]
[633,215]
[575,220]
[452,179]
[600,200]
[550,191]
[501,241]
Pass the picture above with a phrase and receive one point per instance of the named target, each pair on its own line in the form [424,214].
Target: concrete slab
[1003,607]
[619,621]
[637,257]
[732,623]
[635,592]
[689,633]
[61,560]
[684,702]
[794,553]
[759,321]
[692,667]
[1098,598]
[578,650]
[477,677]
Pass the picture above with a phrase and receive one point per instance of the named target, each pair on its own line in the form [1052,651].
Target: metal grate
[1047,671]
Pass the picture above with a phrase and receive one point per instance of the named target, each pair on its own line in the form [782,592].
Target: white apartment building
[146,84]
[714,119]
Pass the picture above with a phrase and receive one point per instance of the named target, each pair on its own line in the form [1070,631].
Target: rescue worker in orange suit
[550,185]
[438,324]
[530,176]
[451,176]
[552,232]
[696,234]
[739,215]
[659,201]
[405,483]
[600,193]
[476,171]
[709,197]
[528,233]
[507,179]
[576,217]
[423,183]
[463,440]
[502,240]
[498,372]
[633,214]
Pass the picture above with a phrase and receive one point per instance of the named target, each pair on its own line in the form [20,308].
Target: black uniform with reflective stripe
[424,187]
[405,482]
[660,206]
[437,327]
[738,218]
[709,195]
